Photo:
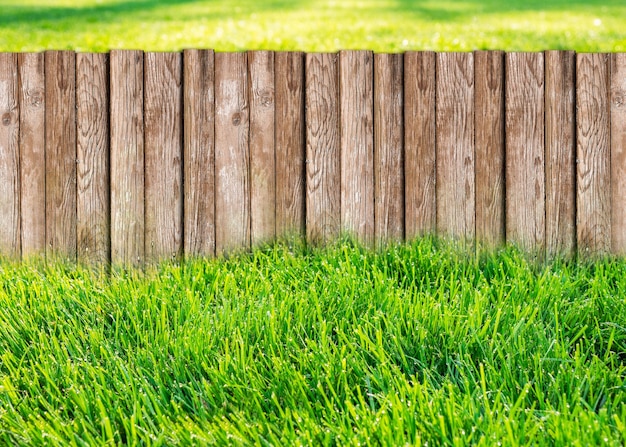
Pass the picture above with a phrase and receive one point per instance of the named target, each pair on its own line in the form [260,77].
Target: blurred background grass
[328,25]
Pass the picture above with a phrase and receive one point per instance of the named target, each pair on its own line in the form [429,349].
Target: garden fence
[135,157]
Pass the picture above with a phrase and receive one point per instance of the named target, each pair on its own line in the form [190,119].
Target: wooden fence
[133,157]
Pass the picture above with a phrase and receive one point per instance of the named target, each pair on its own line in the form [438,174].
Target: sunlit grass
[415,344]
[328,25]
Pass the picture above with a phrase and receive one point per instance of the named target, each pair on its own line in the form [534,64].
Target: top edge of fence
[185,50]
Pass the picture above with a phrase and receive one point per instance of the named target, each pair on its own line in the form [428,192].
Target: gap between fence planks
[133,157]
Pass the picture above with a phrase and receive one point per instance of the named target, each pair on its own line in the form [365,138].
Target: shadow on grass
[13,14]
[458,10]
[436,11]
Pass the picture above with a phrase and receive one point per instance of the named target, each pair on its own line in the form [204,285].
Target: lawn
[326,25]
[422,344]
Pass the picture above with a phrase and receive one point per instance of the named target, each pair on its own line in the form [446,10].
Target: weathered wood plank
[92,124]
[10,240]
[262,149]
[127,158]
[593,182]
[232,155]
[560,158]
[388,148]
[489,146]
[323,156]
[60,72]
[163,154]
[618,153]
[525,157]
[290,144]
[419,144]
[199,153]
[32,153]
[356,111]
[455,146]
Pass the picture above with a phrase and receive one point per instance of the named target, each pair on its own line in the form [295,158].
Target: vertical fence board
[262,151]
[163,153]
[32,153]
[593,180]
[60,67]
[455,145]
[290,145]
[356,110]
[127,157]
[232,156]
[323,156]
[618,154]
[525,176]
[9,157]
[199,153]
[419,144]
[560,167]
[92,138]
[388,150]
[489,146]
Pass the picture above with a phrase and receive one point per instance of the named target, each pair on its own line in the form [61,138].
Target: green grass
[420,344]
[326,25]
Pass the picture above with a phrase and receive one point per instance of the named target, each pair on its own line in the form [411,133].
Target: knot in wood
[236,119]
[36,98]
[618,98]
[266,98]
[6,119]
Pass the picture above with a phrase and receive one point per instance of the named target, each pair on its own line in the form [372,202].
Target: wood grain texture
[356,111]
[455,146]
[560,158]
[232,155]
[489,146]
[262,147]
[199,153]
[32,153]
[92,128]
[419,144]
[163,135]
[593,182]
[127,158]
[10,240]
[618,153]
[290,144]
[60,72]
[323,156]
[525,157]
[388,148]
